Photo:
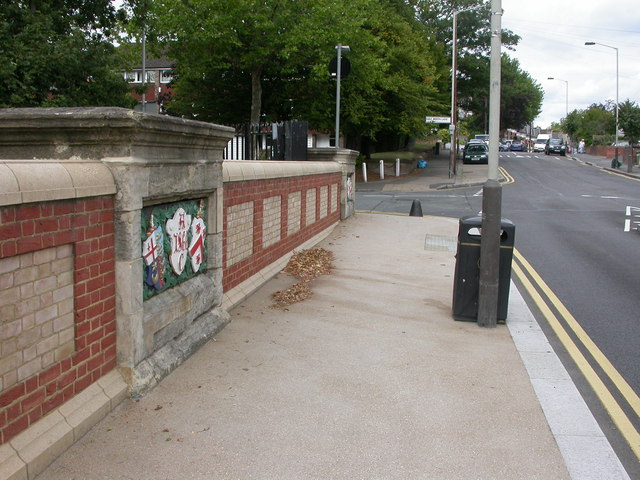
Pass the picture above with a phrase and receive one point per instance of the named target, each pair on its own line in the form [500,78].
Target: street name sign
[438,119]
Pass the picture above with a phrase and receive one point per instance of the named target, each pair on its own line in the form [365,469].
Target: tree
[57,53]
[629,121]
[250,60]
[595,124]
[521,97]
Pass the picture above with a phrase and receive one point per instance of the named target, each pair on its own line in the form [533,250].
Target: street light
[567,93]
[340,48]
[454,69]
[453,128]
[617,82]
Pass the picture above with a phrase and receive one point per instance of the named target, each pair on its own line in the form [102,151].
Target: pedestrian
[581,146]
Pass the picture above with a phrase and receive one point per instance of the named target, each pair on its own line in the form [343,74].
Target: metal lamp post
[566,84]
[492,192]
[340,48]
[617,83]
[454,110]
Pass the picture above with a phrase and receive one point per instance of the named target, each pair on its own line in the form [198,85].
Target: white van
[541,142]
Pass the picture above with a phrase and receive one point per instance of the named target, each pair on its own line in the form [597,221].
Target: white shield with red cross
[196,247]
[153,254]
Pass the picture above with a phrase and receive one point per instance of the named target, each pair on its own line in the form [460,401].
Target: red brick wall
[88,225]
[255,191]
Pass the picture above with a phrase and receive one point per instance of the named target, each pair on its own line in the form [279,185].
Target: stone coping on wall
[28,181]
[30,452]
[247,170]
[108,132]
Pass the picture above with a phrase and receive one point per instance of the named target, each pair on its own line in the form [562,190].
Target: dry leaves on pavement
[305,266]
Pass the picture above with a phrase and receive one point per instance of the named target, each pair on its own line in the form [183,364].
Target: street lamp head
[550,78]
[589,43]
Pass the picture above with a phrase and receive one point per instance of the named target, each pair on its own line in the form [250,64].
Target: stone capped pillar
[157,162]
[347,160]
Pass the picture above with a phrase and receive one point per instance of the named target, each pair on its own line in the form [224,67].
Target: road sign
[345,67]
[438,119]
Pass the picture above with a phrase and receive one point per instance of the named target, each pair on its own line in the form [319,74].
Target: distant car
[476,152]
[517,146]
[504,146]
[555,145]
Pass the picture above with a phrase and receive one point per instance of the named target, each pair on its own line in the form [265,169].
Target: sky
[553,33]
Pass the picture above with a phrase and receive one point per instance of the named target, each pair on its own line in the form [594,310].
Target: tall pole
[629,163]
[144,60]
[454,70]
[566,96]
[339,47]
[566,84]
[492,191]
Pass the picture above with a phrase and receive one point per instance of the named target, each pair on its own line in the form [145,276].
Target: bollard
[381,169]
[364,172]
[416,209]
[397,167]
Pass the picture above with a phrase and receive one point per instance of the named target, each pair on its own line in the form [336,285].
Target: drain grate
[440,243]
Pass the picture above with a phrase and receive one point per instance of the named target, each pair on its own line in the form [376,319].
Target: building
[159,74]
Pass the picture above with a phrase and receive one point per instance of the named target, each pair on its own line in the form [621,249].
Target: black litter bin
[466,284]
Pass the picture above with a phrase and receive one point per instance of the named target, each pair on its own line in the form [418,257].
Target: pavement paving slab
[369,378]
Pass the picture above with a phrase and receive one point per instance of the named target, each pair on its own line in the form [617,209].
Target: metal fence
[269,141]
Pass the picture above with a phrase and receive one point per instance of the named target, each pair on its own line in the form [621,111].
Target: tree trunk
[256,94]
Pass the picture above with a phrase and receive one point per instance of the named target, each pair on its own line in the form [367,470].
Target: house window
[165,76]
[151,76]
[129,76]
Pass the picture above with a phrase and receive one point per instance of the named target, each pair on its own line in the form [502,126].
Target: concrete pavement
[370,378]
[605,163]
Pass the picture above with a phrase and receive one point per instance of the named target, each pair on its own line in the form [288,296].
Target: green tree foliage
[249,60]
[56,53]
[629,121]
[592,124]
[521,97]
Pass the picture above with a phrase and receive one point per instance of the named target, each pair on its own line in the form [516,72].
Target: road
[577,242]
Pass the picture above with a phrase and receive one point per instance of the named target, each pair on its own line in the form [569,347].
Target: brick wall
[264,219]
[57,305]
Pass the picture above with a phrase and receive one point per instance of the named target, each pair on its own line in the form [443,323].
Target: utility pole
[340,48]
[453,128]
[492,191]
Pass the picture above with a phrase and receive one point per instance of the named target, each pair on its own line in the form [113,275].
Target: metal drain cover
[440,243]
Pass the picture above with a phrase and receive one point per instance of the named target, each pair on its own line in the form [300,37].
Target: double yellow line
[507,177]
[537,288]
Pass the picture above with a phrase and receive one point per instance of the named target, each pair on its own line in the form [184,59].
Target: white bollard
[381,169]
[397,167]
[364,172]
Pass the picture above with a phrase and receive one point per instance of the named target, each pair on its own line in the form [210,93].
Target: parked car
[504,145]
[517,146]
[476,152]
[555,145]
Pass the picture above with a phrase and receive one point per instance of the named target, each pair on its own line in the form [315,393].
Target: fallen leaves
[305,265]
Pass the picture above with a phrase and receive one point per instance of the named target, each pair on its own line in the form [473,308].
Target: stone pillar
[347,160]
[155,160]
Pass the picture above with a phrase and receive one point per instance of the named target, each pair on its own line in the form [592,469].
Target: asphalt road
[577,227]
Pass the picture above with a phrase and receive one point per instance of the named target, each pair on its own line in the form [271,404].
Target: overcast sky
[553,33]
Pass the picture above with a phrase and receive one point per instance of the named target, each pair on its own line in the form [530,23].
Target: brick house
[159,74]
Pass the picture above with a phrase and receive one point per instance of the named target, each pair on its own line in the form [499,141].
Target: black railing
[268,141]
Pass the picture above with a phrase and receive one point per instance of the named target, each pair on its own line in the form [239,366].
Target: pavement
[370,378]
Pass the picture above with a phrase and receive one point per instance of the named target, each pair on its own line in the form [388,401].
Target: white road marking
[632,223]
